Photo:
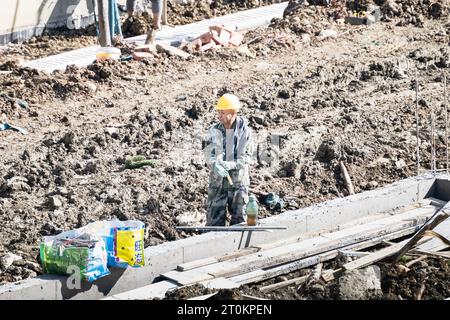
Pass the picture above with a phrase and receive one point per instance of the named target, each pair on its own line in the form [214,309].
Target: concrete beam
[165,257]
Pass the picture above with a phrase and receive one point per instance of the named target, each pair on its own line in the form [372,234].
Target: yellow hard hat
[228,102]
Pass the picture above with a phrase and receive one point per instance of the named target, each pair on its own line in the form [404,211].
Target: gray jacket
[235,144]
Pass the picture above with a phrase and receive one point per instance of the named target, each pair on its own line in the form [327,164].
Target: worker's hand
[228,165]
[220,170]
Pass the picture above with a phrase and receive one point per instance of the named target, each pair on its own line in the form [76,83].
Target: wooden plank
[413,262]
[411,215]
[348,253]
[433,254]
[211,260]
[250,277]
[187,278]
[196,263]
[279,285]
[435,244]
[237,254]
[376,256]
[441,215]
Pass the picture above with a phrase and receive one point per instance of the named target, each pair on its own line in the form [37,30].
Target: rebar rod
[233,228]
[417,126]
[446,122]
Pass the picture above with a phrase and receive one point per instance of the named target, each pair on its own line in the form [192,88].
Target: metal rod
[232,228]
[417,126]
[433,153]
[446,123]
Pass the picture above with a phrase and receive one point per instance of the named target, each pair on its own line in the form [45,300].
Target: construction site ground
[349,97]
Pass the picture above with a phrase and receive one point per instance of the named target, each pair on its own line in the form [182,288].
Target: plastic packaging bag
[59,254]
[95,247]
[125,244]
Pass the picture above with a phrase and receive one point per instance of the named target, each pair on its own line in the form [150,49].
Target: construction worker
[229,153]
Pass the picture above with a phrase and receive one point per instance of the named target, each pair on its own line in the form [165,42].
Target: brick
[141,55]
[206,38]
[145,48]
[225,37]
[219,28]
[197,43]
[216,28]
[236,39]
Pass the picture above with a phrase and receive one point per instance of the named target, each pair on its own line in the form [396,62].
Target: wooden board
[374,257]
[435,244]
[196,263]
[188,277]
[438,217]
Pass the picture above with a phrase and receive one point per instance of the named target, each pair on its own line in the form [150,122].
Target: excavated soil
[347,98]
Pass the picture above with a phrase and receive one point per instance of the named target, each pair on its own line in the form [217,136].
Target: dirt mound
[427,280]
[50,43]
[137,25]
[200,10]
[414,12]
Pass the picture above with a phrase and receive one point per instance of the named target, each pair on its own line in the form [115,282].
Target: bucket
[105,53]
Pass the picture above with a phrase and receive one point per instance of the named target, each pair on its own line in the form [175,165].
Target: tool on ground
[7,126]
[233,228]
[139,161]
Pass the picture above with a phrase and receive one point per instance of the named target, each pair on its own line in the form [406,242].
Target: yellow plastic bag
[130,247]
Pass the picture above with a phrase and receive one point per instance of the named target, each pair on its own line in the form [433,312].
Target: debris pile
[217,37]
[414,11]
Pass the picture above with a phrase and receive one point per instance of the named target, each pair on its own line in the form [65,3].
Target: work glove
[228,165]
[220,170]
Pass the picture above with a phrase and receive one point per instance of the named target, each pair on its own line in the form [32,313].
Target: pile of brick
[217,37]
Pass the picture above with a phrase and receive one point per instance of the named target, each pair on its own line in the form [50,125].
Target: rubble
[360,284]
[217,37]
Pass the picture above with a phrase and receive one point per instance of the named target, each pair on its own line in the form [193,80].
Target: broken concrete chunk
[172,51]
[236,39]
[360,284]
[400,164]
[55,202]
[244,50]
[8,259]
[328,33]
